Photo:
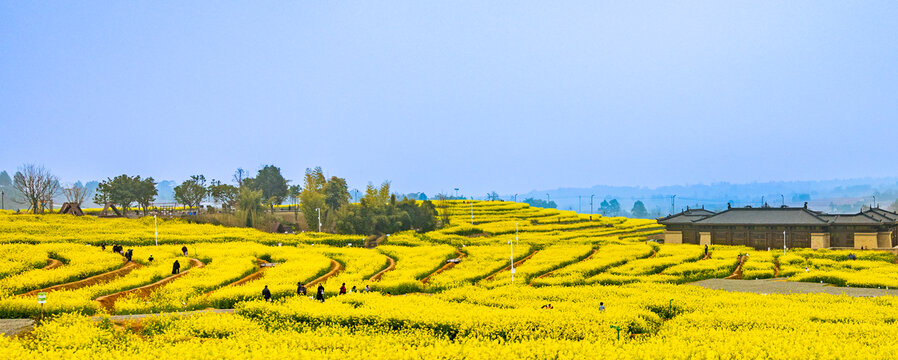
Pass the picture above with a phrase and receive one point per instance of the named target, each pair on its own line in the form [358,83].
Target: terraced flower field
[442,294]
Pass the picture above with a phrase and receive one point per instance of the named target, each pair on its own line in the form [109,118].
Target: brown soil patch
[108,301]
[550,272]
[443,268]
[737,274]
[255,275]
[392,265]
[507,268]
[776,268]
[93,280]
[335,268]
[52,264]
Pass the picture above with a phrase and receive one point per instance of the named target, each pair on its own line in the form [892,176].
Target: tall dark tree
[144,192]
[192,191]
[272,184]
[336,193]
[639,210]
[123,190]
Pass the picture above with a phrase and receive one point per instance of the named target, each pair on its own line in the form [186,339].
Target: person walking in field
[150,260]
[601,306]
[706,250]
[176,267]
[352,290]
[320,295]
[129,253]
[184,250]
[266,293]
[300,289]
[343,289]
[367,288]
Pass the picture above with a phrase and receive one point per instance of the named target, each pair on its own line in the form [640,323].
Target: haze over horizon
[507,97]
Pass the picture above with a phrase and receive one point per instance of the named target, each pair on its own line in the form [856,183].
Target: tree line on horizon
[250,201]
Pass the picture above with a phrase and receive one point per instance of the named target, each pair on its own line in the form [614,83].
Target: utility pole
[579,206]
[874,202]
[2,199]
[590,202]
[784,199]
[672,202]
[155,230]
[515,197]
[784,242]
[319,218]
[456,193]
[511,245]
[472,211]
[548,200]
[516,233]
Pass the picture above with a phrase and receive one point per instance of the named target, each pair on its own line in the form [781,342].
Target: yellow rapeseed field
[585,286]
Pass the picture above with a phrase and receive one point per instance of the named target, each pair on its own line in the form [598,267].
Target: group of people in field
[129,254]
[319,293]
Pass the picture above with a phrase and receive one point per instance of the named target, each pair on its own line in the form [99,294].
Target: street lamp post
[874,202]
[319,218]
[515,197]
[784,242]
[2,200]
[590,202]
[579,206]
[784,199]
[456,193]
[548,200]
[516,233]
[155,230]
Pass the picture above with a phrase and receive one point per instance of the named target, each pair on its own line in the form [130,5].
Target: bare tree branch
[36,186]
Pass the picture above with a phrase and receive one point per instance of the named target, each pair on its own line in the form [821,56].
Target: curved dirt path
[737,274]
[507,268]
[108,301]
[52,264]
[392,265]
[93,280]
[444,267]
[593,253]
[255,275]
[336,267]
[776,268]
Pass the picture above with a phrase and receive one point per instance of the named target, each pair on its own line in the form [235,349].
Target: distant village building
[763,227]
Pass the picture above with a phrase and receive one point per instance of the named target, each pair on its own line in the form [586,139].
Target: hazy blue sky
[506,96]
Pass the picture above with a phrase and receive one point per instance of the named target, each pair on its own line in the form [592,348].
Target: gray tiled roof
[766,215]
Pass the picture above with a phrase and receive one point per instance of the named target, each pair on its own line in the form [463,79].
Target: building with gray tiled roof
[773,227]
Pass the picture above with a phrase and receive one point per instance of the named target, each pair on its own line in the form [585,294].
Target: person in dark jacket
[266,293]
[184,250]
[150,259]
[129,253]
[176,267]
[320,295]
[300,289]
[343,289]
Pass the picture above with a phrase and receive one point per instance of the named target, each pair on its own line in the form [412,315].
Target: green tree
[224,194]
[336,193]
[639,210]
[144,192]
[124,190]
[272,184]
[614,207]
[541,203]
[249,206]
[192,191]
[313,198]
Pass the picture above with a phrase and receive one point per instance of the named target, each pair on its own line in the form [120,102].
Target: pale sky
[505,96]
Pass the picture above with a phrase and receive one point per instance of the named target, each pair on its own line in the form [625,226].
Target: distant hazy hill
[829,195]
